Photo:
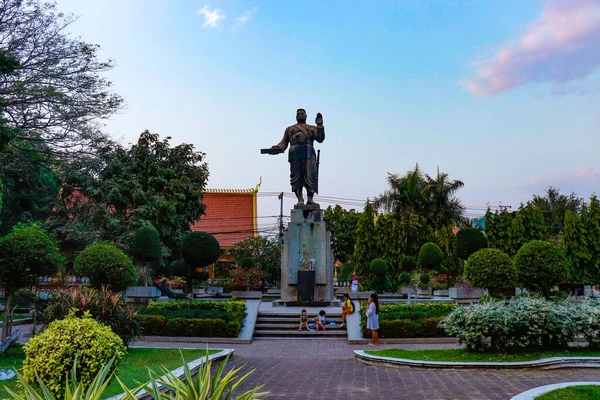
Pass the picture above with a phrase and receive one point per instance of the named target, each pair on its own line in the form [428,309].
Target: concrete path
[327,369]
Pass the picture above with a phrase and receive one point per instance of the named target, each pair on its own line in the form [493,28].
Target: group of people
[320,320]
[348,308]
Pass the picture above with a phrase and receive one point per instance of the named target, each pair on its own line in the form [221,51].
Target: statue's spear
[318,162]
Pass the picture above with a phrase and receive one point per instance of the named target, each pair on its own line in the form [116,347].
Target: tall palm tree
[416,193]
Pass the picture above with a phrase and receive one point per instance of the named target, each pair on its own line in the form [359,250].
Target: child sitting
[303,320]
[320,320]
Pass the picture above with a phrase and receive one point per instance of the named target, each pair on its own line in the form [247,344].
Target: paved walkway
[326,369]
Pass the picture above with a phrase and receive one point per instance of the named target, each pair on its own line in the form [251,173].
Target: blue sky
[502,95]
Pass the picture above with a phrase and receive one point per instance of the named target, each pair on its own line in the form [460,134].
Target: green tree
[554,206]
[25,254]
[389,242]
[497,230]
[527,225]
[30,187]
[366,244]
[148,183]
[265,252]
[8,65]
[492,269]
[343,225]
[416,193]
[540,266]
[106,265]
[593,229]
[199,250]
[577,247]
[56,94]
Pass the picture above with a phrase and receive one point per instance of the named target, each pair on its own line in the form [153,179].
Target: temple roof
[230,215]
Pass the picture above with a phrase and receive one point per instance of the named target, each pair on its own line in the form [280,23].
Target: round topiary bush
[200,249]
[379,267]
[490,268]
[105,264]
[540,266]
[146,244]
[408,264]
[430,256]
[404,278]
[248,263]
[51,354]
[467,241]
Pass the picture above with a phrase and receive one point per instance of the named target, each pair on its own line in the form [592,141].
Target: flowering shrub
[441,281]
[464,285]
[246,279]
[525,322]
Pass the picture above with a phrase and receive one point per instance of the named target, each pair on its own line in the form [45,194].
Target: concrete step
[262,326]
[287,316]
[296,319]
[335,333]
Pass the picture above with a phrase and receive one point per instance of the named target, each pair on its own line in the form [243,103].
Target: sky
[503,95]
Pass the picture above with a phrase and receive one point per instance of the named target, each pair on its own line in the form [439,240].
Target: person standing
[373,319]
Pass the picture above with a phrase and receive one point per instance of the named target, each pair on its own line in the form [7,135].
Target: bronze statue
[304,164]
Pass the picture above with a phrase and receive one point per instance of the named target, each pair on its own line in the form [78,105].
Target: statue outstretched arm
[285,141]
[320,132]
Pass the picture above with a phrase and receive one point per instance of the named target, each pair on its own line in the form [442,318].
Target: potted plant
[246,284]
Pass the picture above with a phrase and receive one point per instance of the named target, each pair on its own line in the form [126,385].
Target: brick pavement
[326,369]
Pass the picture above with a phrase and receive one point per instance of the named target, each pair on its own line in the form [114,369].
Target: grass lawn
[464,355]
[585,392]
[131,369]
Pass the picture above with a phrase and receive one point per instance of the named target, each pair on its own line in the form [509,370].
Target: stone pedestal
[307,245]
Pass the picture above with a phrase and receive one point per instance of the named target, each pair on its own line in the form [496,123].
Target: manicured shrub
[526,322]
[540,266]
[431,256]
[467,241]
[52,353]
[248,263]
[199,250]
[408,264]
[405,328]
[105,264]
[490,268]
[235,309]
[380,281]
[103,305]
[146,244]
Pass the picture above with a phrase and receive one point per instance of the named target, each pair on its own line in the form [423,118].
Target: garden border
[194,365]
[544,363]
[531,394]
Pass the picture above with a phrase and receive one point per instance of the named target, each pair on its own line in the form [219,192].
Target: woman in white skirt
[373,319]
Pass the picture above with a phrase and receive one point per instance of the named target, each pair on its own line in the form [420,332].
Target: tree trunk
[6,325]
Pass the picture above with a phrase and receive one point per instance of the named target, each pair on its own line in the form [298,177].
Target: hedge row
[189,313]
[410,328]
[156,325]
[235,309]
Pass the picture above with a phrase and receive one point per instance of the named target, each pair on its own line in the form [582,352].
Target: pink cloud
[583,173]
[562,45]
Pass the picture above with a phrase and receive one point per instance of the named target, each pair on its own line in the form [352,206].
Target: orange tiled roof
[230,215]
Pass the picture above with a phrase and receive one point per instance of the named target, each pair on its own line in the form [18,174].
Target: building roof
[230,215]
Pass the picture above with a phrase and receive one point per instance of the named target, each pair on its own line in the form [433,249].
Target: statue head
[301,116]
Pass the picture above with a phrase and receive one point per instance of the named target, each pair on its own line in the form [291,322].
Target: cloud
[561,46]
[211,18]
[245,17]
[584,174]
